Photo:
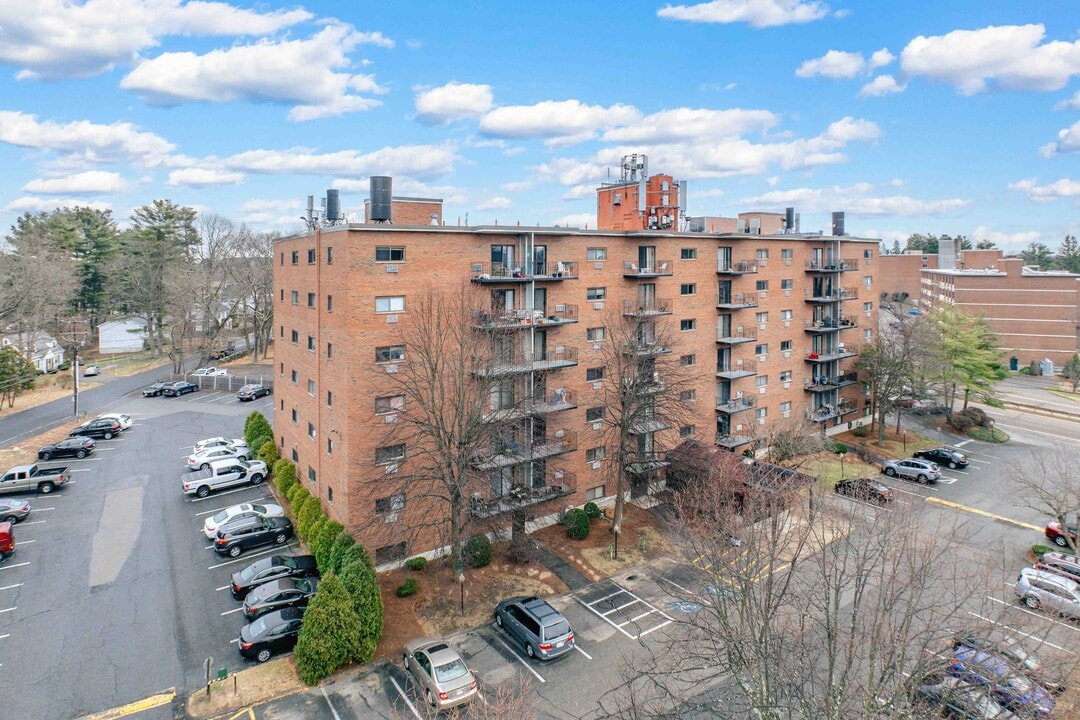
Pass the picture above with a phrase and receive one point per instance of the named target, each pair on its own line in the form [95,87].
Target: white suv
[921,471]
[1039,588]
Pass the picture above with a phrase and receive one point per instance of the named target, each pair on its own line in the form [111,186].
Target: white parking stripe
[9,609]
[521,660]
[595,612]
[276,548]
[10,587]
[404,697]
[230,612]
[264,498]
[24,542]
[223,587]
[220,494]
[962,444]
[1013,630]
[5,636]
[75,470]
[328,704]
[616,609]
[576,647]
[43,509]
[9,567]
[32,522]
[654,628]
[1034,614]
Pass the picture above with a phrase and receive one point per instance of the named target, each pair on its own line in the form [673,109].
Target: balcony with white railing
[829,354]
[736,301]
[734,405]
[725,336]
[831,265]
[647,307]
[658,268]
[512,452]
[486,273]
[556,359]
[828,411]
[735,370]
[558,484]
[523,319]
[553,402]
[739,267]
[644,462]
[829,324]
[824,382]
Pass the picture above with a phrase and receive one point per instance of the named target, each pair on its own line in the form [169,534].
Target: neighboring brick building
[776,320]
[899,275]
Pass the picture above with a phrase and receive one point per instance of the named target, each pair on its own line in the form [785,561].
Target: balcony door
[502,259]
[647,257]
[647,296]
[723,258]
[539,264]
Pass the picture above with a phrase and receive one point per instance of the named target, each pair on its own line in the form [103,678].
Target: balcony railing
[741,335]
[648,425]
[518,319]
[560,357]
[736,370]
[736,301]
[832,265]
[646,308]
[560,399]
[734,405]
[495,272]
[830,324]
[559,484]
[838,353]
[822,383]
[827,411]
[642,462]
[555,442]
[731,441]
[658,268]
[642,348]
[832,295]
[741,267]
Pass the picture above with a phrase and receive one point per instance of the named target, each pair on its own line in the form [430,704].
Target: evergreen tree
[17,375]
[1038,254]
[330,636]
[1071,372]
[986,245]
[1068,255]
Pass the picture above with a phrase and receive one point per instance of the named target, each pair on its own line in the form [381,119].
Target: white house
[41,347]
[121,336]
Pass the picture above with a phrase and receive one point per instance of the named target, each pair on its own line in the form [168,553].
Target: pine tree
[330,636]
[1068,255]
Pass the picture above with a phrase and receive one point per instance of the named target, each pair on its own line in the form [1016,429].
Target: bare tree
[1048,481]
[250,278]
[214,257]
[894,364]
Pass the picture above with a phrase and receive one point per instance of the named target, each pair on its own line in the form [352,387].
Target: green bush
[577,524]
[309,513]
[360,581]
[417,563]
[478,551]
[297,495]
[1040,550]
[259,442]
[268,453]
[342,544]
[330,635]
[285,476]
[324,542]
[861,431]
[839,447]
[977,415]
[255,427]
[592,510]
[406,588]
[962,423]
[311,532]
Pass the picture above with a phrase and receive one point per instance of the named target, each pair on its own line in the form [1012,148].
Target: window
[688,360]
[329,303]
[596,254]
[761,413]
[283,295]
[311,431]
[311,256]
[785,345]
[295,416]
[295,297]
[295,336]
[686,431]
[595,414]
[688,254]
[295,377]
[329,351]
[391,553]
[762,285]
[311,343]
[330,495]
[389,254]
[762,254]
[389,454]
[295,456]
[311,388]
[329,398]
[761,380]
[688,289]
[761,349]
[282,258]
[687,395]
[596,293]
[594,493]
[868,254]
[311,300]
[282,332]
[329,446]
[868,306]
[868,335]
[282,371]
[868,280]
[595,334]
[787,254]
[785,314]
[389,404]
[594,374]
[687,324]
[787,284]
[762,317]
[392,504]
[390,353]
[329,256]
[295,257]
[785,407]
[785,376]
[595,454]
[394,303]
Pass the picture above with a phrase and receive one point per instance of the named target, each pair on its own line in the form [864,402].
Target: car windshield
[450,671]
[557,630]
[220,517]
[247,573]
[258,627]
[261,509]
[289,562]
[243,463]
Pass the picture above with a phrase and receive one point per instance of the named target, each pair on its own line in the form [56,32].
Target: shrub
[358,576]
[577,524]
[309,513]
[962,423]
[312,531]
[324,542]
[285,477]
[1040,550]
[342,544]
[839,447]
[255,427]
[861,431]
[478,551]
[297,494]
[268,453]
[417,563]
[259,442]
[592,510]
[977,415]
[407,588]
[330,635]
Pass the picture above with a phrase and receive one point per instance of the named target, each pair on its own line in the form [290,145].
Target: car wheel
[204,466]
[107,435]
[952,466]
[11,519]
[530,652]
[922,479]
[430,697]
[256,479]
[46,456]
[81,454]
[46,487]
[280,539]
[203,491]
[263,655]
[1060,541]
[891,472]
[498,620]
[1032,602]
[235,551]
[241,457]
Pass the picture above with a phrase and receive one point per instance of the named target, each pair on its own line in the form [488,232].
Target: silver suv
[1039,588]
[921,471]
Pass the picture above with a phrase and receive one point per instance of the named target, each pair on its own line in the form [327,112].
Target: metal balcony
[493,273]
[522,319]
[647,426]
[731,441]
[827,411]
[659,268]
[642,462]
[647,308]
[560,357]
[832,295]
[556,442]
[645,349]
[553,402]
[562,484]
[839,353]
[735,405]
[824,383]
[827,325]
[736,370]
[831,265]
[739,336]
[737,301]
[736,268]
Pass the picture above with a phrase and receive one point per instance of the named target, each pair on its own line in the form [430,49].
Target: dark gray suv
[542,629]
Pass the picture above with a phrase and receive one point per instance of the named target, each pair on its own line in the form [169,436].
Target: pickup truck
[32,477]
[223,474]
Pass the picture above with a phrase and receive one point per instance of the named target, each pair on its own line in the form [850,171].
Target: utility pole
[73,334]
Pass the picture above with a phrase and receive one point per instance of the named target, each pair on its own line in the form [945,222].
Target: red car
[1053,532]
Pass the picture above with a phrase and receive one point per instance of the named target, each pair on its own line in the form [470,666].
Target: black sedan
[13,510]
[279,594]
[272,568]
[272,633]
[944,456]
[864,489]
[175,389]
[99,427]
[252,392]
[154,390]
[261,531]
[78,447]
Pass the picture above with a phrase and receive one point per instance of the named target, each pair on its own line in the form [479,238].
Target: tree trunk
[967,396]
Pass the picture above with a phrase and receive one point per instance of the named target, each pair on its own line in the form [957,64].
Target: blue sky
[958,118]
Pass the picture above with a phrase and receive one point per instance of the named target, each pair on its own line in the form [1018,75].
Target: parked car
[223,474]
[32,477]
[235,539]
[218,441]
[13,510]
[212,523]
[1039,588]
[1053,532]
[91,370]
[154,390]
[864,489]
[1061,564]
[921,471]
[252,392]
[77,447]
[955,698]
[99,428]
[439,672]
[202,459]
[1010,648]
[7,540]
[272,633]
[178,388]
[279,594]
[1010,688]
[209,372]
[124,420]
[272,568]
[943,456]
[543,630]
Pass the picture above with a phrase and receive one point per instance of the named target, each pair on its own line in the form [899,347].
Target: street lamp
[841,466]
[991,424]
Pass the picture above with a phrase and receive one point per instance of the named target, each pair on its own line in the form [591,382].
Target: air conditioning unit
[598,306]
[596,465]
[561,488]
[597,385]
[786,413]
[598,265]
[391,469]
[391,268]
[761,421]
[596,426]
[391,517]
[787,323]
[761,326]
[761,295]
[787,293]
[390,419]
[787,262]
[787,385]
[391,319]
[761,390]
[559,433]
[391,368]
[787,353]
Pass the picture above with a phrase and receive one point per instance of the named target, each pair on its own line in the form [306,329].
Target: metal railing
[736,268]
[740,335]
[559,483]
[655,306]
[511,319]
[657,267]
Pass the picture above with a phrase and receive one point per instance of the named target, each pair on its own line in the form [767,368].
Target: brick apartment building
[773,321]
[899,276]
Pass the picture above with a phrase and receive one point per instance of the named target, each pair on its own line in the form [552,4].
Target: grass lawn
[980,432]
[897,445]
[1060,392]
[826,467]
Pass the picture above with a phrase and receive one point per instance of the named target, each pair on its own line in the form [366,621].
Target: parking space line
[75,470]
[37,510]
[653,629]
[223,587]
[632,602]
[276,548]
[521,660]
[9,609]
[10,587]
[5,636]
[11,567]
[620,591]
[264,498]
[230,612]
[24,542]
[576,647]
[591,609]
[404,697]
[328,703]
[1013,630]
[984,513]
[32,522]
[962,444]
[688,591]
[1035,614]
[645,614]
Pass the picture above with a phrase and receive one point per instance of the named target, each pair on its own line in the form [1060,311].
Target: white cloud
[450,194]
[44,204]
[897,182]
[1068,140]
[561,122]
[858,200]
[840,65]
[306,73]
[757,13]
[682,124]
[580,192]
[1072,103]
[203,177]
[1063,188]
[881,85]
[569,171]
[495,203]
[1012,57]
[417,161]
[517,186]
[453,101]
[91,142]
[1004,240]
[880,58]
[53,39]
[92,181]
[264,213]
[576,220]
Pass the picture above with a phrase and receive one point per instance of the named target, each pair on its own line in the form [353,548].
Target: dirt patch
[897,444]
[26,451]
[274,679]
